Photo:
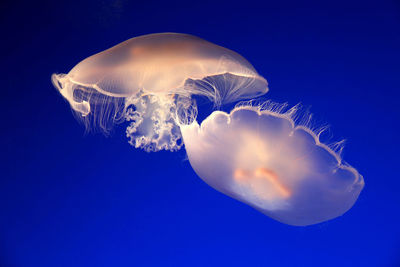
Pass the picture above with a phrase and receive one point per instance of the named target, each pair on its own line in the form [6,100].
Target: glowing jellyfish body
[157,74]
[255,155]
[261,158]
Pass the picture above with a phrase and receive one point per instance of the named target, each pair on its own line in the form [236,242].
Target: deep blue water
[70,199]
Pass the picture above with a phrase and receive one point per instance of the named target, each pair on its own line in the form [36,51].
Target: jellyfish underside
[262,158]
[256,154]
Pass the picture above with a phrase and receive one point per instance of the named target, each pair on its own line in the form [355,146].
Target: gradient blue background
[70,199]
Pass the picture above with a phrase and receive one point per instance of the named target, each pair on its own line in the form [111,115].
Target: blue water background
[70,199]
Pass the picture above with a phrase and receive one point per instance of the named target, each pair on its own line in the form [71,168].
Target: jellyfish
[260,154]
[149,80]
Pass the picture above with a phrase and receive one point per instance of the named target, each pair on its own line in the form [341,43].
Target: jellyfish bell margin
[256,154]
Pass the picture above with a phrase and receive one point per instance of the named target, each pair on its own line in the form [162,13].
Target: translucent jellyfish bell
[150,79]
[258,155]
